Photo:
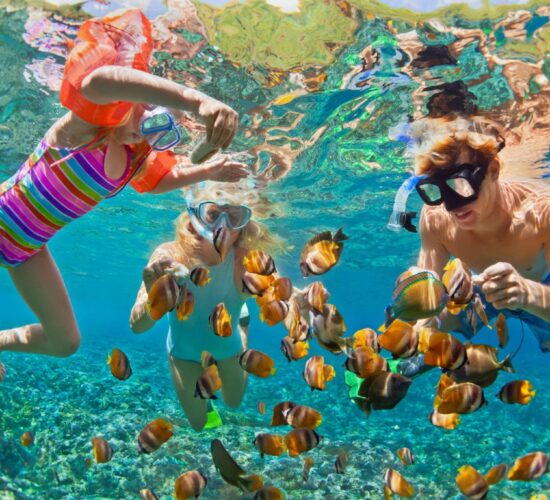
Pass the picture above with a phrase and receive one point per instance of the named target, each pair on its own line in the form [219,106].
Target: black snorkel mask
[455,187]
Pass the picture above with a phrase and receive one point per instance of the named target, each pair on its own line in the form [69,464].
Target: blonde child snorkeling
[116,133]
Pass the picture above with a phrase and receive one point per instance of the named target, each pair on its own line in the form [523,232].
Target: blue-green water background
[66,402]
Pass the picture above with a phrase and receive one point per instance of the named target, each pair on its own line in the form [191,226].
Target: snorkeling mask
[160,129]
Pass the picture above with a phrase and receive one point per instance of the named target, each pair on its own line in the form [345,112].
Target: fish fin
[506,364]
[339,236]
[213,396]
[273,371]
[382,327]
[325,235]
[109,359]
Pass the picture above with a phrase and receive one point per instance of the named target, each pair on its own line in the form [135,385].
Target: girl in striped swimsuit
[74,167]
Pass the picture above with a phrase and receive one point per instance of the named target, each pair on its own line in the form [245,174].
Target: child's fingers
[217,130]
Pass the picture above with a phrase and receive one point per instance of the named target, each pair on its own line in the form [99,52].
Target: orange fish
[444,382]
[363,361]
[256,284]
[185,304]
[102,450]
[27,438]
[257,363]
[279,413]
[220,321]
[341,462]
[294,350]
[496,474]
[269,444]
[406,456]
[153,435]
[384,390]
[328,328]
[259,262]
[317,296]
[299,441]
[282,289]
[462,398]
[442,349]
[397,484]
[517,391]
[189,485]
[303,417]
[502,330]
[322,252]
[268,493]
[457,279]
[471,483]
[400,338]
[200,276]
[317,374]
[207,359]
[365,337]
[449,421]
[208,383]
[298,328]
[120,364]
[261,408]
[274,312]
[222,241]
[308,464]
[162,296]
[147,494]
[529,467]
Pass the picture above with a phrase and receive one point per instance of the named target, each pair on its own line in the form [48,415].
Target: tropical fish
[102,450]
[259,262]
[308,464]
[303,417]
[222,241]
[282,289]
[147,494]
[208,383]
[162,296]
[417,296]
[298,328]
[278,417]
[448,421]
[299,441]
[120,364]
[322,252]
[529,467]
[406,456]
[341,462]
[268,493]
[294,350]
[458,282]
[189,485]
[200,276]
[269,444]
[397,484]
[384,390]
[185,304]
[496,474]
[257,363]
[328,328]
[153,435]
[444,382]
[230,470]
[502,330]
[316,296]
[220,321]
[261,408]
[400,338]
[442,349]
[462,398]
[207,359]
[518,391]
[471,483]
[365,337]
[274,312]
[363,361]
[256,284]
[482,367]
[317,374]
[27,438]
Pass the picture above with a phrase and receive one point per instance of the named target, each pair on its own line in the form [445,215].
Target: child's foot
[213,418]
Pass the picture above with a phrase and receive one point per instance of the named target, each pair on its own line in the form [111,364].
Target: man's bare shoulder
[532,201]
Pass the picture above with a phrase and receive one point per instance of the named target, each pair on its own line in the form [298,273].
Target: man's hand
[504,287]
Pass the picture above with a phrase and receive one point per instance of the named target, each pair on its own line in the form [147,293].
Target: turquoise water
[344,175]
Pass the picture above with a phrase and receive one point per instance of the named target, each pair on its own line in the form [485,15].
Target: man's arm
[433,254]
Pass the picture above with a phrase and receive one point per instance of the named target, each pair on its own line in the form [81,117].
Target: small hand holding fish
[504,287]
[223,169]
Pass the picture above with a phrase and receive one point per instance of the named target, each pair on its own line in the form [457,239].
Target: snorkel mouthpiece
[400,218]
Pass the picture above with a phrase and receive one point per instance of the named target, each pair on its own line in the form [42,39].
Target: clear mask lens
[461,186]
[431,191]
[156,122]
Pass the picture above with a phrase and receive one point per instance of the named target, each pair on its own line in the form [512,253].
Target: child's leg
[40,284]
[185,375]
[233,381]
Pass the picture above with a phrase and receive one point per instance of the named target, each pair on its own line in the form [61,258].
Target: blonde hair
[254,235]
[439,141]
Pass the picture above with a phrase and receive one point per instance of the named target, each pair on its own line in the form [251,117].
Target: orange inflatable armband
[122,40]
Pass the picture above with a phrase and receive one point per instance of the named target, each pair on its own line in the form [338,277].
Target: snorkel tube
[400,218]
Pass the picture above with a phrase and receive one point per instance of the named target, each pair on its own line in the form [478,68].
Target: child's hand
[179,272]
[221,122]
[222,169]
[155,270]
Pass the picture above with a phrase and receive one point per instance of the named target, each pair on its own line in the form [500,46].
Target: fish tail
[340,236]
[506,364]
[109,359]
[273,371]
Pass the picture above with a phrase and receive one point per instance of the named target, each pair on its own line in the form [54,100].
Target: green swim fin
[353,382]
[393,364]
[213,418]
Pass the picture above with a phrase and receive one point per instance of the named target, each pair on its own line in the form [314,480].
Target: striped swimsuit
[52,188]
